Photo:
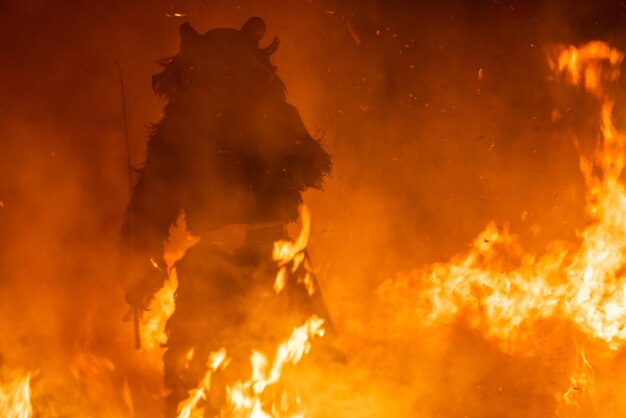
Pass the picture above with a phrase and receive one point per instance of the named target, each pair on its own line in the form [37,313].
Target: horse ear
[254,29]
[272,48]
[188,36]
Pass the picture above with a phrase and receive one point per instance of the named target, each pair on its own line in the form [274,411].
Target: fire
[189,408]
[582,382]
[503,291]
[583,65]
[15,399]
[253,397]
[162,306]
[496,287]
[247,398]
[153,321]
[290,255]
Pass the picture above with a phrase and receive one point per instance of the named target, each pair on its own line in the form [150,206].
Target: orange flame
[189,408]
[162,306]
[246,398]
[584,64]
[251,398]
[582,383]
[153,322]
[291,254]
[504,291]
[15,399]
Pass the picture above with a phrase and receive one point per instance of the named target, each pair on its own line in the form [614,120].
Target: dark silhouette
[231,153]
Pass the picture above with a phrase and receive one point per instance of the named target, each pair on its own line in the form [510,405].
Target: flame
[252,397]
[189,408]
[15,399]
[247,398]
[152,324]
[503,291]
[584,64]
[582,383]
[290,255]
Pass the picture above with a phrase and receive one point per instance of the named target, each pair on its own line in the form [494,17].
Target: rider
[234,156]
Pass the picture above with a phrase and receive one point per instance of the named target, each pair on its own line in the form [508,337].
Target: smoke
[440,117]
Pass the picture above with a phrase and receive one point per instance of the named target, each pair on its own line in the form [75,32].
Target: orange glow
[289,255]
[250,399]
[162,306]
[443,123]
[15,399]
[584,65]
[582,383]
[97,378]
[189,408]
[153,321]
[505,292]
